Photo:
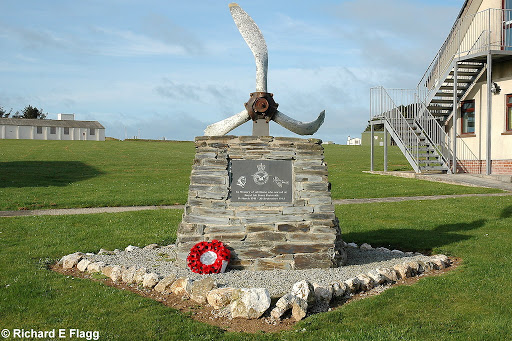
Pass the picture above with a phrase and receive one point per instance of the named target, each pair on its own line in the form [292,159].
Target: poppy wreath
[208,257]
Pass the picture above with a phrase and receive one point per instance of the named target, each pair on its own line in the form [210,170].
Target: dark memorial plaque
[261,180]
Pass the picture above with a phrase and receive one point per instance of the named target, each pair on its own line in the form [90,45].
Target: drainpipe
[454,117]
[489,112]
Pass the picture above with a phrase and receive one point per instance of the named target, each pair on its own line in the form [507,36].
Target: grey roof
[50,123]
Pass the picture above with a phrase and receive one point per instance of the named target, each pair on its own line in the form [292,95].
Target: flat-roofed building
[65,128]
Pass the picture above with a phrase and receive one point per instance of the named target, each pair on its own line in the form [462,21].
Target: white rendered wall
[501,143]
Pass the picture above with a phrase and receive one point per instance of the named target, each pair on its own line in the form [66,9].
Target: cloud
[166,31]
[398,35]
[399,18]
[106,41]
[126,43]
[179,126]
[32,38]
[219,99]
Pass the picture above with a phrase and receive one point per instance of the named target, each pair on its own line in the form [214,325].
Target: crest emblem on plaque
[261,176]
[242,181]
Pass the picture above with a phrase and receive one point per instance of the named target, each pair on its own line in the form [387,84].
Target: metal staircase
[430,158]
[415,118]
[416,132]
[468,72]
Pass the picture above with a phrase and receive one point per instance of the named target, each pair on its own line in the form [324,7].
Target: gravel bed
[278,282]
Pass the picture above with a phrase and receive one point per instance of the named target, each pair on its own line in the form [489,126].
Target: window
[507,25]
[508,114]
[468,117]
[92,131]
[66,131]
[39,130]
[53,130]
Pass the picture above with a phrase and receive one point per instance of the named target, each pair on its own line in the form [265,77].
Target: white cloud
[165,30]
[398,35]
[124,43]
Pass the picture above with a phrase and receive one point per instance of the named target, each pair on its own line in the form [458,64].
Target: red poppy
[208,257]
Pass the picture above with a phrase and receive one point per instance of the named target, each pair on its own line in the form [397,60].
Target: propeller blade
[298,127]
[253,37]
[225,126]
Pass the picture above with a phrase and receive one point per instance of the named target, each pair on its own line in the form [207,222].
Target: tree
[3,113]
[30,112]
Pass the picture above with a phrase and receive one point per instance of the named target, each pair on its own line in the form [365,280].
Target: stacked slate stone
[300,233]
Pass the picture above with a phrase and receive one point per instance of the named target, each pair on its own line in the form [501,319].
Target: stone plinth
[271,215]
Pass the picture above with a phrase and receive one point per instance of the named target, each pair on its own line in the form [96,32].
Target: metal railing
[490,29]
[441,141]
[403,109]
[478,33]
[383,106]
[436,134]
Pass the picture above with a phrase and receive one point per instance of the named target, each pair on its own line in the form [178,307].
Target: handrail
[389,102]
[441,141]
[383,106]
[471,34]
[465,38]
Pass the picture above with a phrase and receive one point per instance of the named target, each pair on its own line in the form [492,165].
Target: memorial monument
[266,198]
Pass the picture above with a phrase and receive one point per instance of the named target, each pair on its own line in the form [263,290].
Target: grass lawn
[470,303]
[62,174]
[56,174]
[347,163]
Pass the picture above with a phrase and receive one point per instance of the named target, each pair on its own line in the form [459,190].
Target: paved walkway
[92,210]
[502,182]
[423,197]
[499,182]
[459,179]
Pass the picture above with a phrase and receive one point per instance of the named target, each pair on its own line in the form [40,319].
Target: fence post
[385,149]
[371,146]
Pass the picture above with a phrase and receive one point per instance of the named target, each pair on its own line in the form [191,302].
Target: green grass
[346,173]
[35,298]
[62,174]
[470,303]
[56,174]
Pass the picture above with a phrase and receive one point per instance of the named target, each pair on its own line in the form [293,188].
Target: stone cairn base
[301,233]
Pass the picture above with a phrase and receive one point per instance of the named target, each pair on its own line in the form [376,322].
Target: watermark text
[71,333]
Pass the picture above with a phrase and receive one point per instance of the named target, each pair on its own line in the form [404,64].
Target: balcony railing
[490,29]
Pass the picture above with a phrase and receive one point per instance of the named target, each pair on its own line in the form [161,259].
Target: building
[64,128]
[353,141]
[459,117]
[378,139]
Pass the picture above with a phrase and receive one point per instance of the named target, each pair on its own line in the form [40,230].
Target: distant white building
[353,141]
[64,128]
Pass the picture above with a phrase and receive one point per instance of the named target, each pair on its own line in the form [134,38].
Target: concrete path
[417,198]
[502,183]
[92,210]
[499,182]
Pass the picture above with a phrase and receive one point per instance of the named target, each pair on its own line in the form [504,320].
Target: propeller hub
[261,105]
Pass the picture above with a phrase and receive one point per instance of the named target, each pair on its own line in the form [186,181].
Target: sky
[167,68]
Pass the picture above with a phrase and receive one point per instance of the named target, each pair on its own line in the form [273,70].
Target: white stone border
[252,303]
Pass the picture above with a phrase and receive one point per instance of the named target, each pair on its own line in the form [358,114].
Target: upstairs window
[508,117]
[507,25]
[468,117]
